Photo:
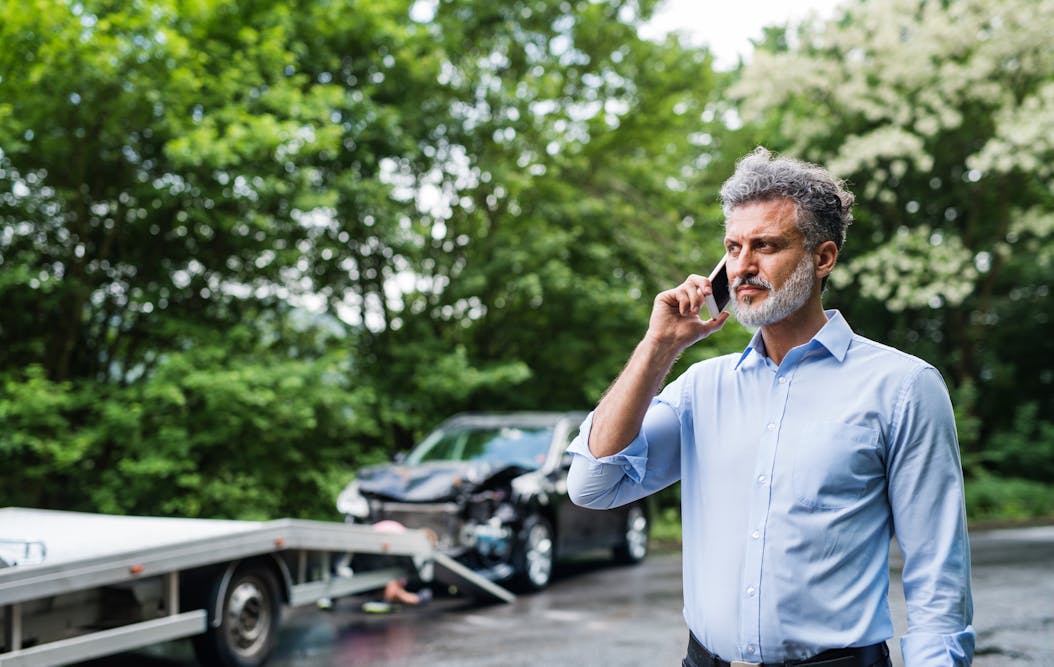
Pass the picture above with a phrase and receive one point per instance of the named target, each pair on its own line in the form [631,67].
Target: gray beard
[781,303]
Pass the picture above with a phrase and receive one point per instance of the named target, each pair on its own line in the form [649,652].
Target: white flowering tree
[940,115]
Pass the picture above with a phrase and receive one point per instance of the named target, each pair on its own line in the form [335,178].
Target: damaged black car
[493,489]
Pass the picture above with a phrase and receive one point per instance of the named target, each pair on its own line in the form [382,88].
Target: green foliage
[666,527]
[207,434]
[245,248]
[38,448]
[571,208]
[936,115]
[989,497]
[248,247]
[968,425]
[1025,449]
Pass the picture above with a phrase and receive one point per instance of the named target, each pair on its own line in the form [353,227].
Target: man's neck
[797,329]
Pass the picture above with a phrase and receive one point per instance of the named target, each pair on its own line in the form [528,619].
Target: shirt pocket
[834,463]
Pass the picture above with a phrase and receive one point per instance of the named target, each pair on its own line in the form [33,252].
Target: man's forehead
[776,217]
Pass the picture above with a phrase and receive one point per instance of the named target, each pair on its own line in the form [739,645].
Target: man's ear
[826,257]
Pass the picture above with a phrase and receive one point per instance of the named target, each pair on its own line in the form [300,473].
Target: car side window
[565,457]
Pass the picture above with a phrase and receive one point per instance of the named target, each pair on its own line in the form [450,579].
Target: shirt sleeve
[929,517]
[649,463]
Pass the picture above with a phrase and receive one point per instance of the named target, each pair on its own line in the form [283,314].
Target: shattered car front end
[493,489]
[474,509]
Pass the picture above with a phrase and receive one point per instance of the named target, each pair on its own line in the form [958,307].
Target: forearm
[673,327]
[936,576]
[621,411]
[649,463]
[928,503]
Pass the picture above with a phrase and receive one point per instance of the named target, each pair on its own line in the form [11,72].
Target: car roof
[520,418]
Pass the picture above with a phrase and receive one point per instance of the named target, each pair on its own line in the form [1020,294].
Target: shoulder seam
[902,394]
[857,338]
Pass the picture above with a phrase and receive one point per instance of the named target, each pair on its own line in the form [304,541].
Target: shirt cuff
[632,460]
[926,649]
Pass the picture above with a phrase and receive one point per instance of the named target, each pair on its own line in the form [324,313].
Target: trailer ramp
[450,571]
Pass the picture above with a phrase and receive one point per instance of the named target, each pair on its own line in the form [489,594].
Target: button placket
[760,499]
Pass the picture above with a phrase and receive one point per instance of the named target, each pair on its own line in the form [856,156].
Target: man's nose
[742,265]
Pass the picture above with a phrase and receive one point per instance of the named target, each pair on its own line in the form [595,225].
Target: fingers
[682,306]
[716,323]
[709,326]
[675,318]
[691,294]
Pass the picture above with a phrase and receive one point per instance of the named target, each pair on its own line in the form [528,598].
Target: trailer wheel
[248,627]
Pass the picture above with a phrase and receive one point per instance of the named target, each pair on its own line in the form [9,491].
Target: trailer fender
[246,607]
[285,577]
[272,560]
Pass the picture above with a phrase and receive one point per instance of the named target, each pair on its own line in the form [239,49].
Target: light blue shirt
[794,478]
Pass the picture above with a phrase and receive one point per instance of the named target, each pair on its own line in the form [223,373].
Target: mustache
[752,281]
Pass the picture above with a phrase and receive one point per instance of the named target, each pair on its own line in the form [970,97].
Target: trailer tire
[251,613]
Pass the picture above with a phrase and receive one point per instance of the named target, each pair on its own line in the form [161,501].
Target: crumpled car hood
[428,482]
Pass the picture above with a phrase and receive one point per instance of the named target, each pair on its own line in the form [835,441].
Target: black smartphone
[717,301]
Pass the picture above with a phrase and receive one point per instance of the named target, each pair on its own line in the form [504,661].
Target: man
[798,459]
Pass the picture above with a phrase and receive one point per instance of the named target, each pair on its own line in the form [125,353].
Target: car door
[578,528]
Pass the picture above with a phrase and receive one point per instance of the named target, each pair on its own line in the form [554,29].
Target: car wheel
[536,554]
[248,628]
[634,546]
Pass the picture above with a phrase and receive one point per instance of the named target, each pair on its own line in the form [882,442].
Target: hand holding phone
[718,299]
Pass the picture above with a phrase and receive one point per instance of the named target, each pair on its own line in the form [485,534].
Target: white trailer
[76,586]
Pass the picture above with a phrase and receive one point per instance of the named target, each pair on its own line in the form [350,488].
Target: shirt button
[751,591]
[761,479]
[782,380]
[751,649]
[771,427]
[756,534]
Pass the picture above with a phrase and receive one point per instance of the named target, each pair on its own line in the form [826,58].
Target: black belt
[862,656]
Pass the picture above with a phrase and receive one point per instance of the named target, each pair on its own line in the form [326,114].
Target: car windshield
[521,446]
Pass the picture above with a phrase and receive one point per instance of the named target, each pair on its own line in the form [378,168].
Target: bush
[995,498]
[204,435]
[1026,449]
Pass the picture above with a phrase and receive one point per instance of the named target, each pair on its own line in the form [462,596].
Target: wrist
[659,349]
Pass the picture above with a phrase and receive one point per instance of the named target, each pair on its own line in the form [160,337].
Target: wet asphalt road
[596,613]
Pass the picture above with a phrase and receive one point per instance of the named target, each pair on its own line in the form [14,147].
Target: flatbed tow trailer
[77,586]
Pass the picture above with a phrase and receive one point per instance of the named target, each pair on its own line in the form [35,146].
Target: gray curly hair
[825,207]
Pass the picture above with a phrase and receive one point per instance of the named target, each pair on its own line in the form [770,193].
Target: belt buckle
[740,663]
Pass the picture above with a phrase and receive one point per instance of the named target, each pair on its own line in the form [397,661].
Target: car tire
[536,555]
[634,545]
[251,614]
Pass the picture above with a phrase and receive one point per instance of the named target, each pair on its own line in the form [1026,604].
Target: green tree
[245,247]
[938,115]
[568,205]
[166,172]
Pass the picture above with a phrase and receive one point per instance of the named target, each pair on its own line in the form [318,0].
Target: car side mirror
[400,457]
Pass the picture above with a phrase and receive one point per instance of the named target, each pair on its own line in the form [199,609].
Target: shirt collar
[834,336]
[756,344]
